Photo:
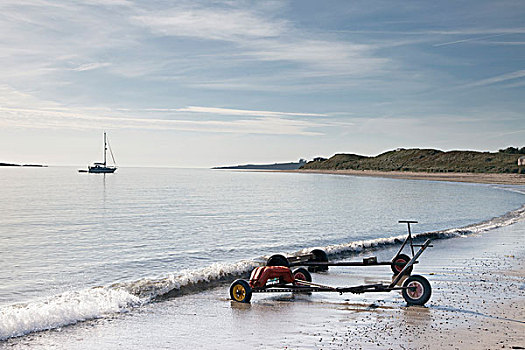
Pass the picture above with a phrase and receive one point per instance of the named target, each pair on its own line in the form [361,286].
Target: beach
[478,302]
[484,178]
[157,274]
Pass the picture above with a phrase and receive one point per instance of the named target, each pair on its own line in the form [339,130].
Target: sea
[76,247]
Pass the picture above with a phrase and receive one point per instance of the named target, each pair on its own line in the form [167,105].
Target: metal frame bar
[303,260]
[348,263]
[410,263]
[409,237]
[365,288]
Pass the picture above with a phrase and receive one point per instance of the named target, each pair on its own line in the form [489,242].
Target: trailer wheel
[418,290]
[319,256]
[241,291]
[302,274]
[402,259]
[278,260]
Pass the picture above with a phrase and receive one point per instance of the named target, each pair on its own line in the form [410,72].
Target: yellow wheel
[241,291]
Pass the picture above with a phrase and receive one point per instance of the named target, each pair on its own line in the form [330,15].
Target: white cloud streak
[243,112]
[46,114]
[468,40]
[263,38]
[463,31]
[211,24]
[91,66]
[497,79]
[99,34]
[503,43]
[68,119]
[327,56]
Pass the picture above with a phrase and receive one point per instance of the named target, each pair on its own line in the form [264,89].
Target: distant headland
[24,165]
[507,166]
[275,166]
[510,160]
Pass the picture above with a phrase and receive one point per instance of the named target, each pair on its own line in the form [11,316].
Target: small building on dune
[521,161]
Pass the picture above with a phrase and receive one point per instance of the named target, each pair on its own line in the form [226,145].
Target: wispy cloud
[503,43]
[211,23]
[497,79]
[91,66]
[53,118]
[262,37]
[184,43]
[52,115]
[244,112]
[509,133]
[468,40]
[517,84]
[461,31]
[41,39]
[336,57]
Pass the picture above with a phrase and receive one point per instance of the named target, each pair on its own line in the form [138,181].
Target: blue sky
[206,83]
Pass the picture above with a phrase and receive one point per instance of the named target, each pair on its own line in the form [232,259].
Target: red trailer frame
[277,277]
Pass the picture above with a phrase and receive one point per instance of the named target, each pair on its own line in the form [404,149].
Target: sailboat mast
[105,148]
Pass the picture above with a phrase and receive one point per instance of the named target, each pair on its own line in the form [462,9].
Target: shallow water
[152,230]
[461,272]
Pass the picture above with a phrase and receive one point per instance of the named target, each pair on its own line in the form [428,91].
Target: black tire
[240,291]
[404,259]
[420,293]
[302,274]
[319,256]
[277,260]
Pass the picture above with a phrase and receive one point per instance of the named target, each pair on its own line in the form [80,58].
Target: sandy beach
[487,178]
[478,302]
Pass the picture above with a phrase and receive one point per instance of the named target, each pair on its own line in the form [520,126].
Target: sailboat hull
[101,170]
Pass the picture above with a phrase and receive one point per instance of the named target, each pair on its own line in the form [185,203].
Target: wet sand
[503,179]
[478,302]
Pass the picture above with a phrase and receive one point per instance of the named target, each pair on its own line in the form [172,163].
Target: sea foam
[63,309]
[364,245]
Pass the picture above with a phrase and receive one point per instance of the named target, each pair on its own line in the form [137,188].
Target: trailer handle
[409,237]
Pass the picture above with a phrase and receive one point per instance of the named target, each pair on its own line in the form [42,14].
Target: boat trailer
[277,276]
[317,260]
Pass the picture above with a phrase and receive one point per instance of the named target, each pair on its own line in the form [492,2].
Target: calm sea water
[63,231]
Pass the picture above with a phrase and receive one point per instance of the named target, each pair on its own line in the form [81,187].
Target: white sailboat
[103,168]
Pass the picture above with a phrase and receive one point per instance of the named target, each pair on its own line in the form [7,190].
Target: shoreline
[484,178]
[366,248]
[477,303]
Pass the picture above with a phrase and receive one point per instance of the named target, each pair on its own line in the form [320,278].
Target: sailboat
[102,168]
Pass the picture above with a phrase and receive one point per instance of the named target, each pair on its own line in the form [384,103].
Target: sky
[210,83]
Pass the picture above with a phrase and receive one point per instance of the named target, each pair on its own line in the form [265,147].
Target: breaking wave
[63,309]
[355,247]
[72,307]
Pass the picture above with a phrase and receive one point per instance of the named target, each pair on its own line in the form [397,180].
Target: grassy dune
[424,160]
